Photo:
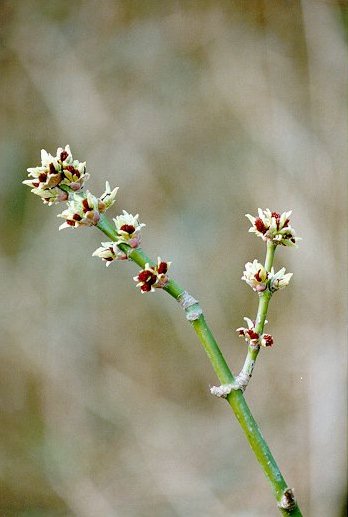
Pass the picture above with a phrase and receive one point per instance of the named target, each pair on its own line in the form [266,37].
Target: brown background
[201,111]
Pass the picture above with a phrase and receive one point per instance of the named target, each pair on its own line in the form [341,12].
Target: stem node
[288,501]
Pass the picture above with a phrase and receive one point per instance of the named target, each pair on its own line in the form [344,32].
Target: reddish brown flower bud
[162,268]
[267,340]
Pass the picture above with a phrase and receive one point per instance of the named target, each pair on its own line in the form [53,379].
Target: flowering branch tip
[275,227]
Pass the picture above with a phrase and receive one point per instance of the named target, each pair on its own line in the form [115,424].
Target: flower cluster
[252,337]
[274,227]
[109,252]
[128,229]
[56,175]
[259,279]
[85,211]
[153,276]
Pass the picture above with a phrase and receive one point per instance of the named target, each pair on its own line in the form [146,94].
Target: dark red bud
[42,177]
[162,268]
[63,155]
[77,217]
[145,288]
[52,169]
[70,223]
[268,339]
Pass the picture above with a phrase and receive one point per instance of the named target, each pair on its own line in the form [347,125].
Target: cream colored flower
[279,280]
[249,333]
[128,229]
[274,227]
[85,211]
[108,197]
[252,337]
[51,196]
[109,252]
[255,275]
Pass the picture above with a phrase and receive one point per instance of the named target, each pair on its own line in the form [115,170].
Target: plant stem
[264,298]
[223,372]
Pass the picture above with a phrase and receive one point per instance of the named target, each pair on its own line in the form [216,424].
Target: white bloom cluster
[274,227]
[257,277]
[252,337]
[56,172]
[86,211]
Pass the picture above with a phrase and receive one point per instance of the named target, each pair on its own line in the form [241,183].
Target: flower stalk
[264,299]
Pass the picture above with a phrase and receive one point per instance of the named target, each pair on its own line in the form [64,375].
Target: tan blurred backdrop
[201,111]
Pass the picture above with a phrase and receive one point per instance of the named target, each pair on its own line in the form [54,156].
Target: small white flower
[249,333]
[109,252]
[51,196]
[128,229]
[279,280]
[255,275]
[108,197]
[274,227]
[252,337]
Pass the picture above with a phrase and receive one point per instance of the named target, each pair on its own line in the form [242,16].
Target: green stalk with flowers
[62,179]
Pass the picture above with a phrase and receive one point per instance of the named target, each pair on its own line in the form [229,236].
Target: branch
[195,316]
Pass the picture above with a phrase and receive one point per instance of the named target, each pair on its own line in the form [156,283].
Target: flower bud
[249,333]
[252,337]
[266,340]
[255,275]
[279,280]
[109,252]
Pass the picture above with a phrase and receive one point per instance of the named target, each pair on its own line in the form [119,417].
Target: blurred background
[200,111]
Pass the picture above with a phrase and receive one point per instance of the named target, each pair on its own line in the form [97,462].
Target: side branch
[235,399]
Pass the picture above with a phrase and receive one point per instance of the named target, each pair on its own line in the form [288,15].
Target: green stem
[223,372]
[264,298]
